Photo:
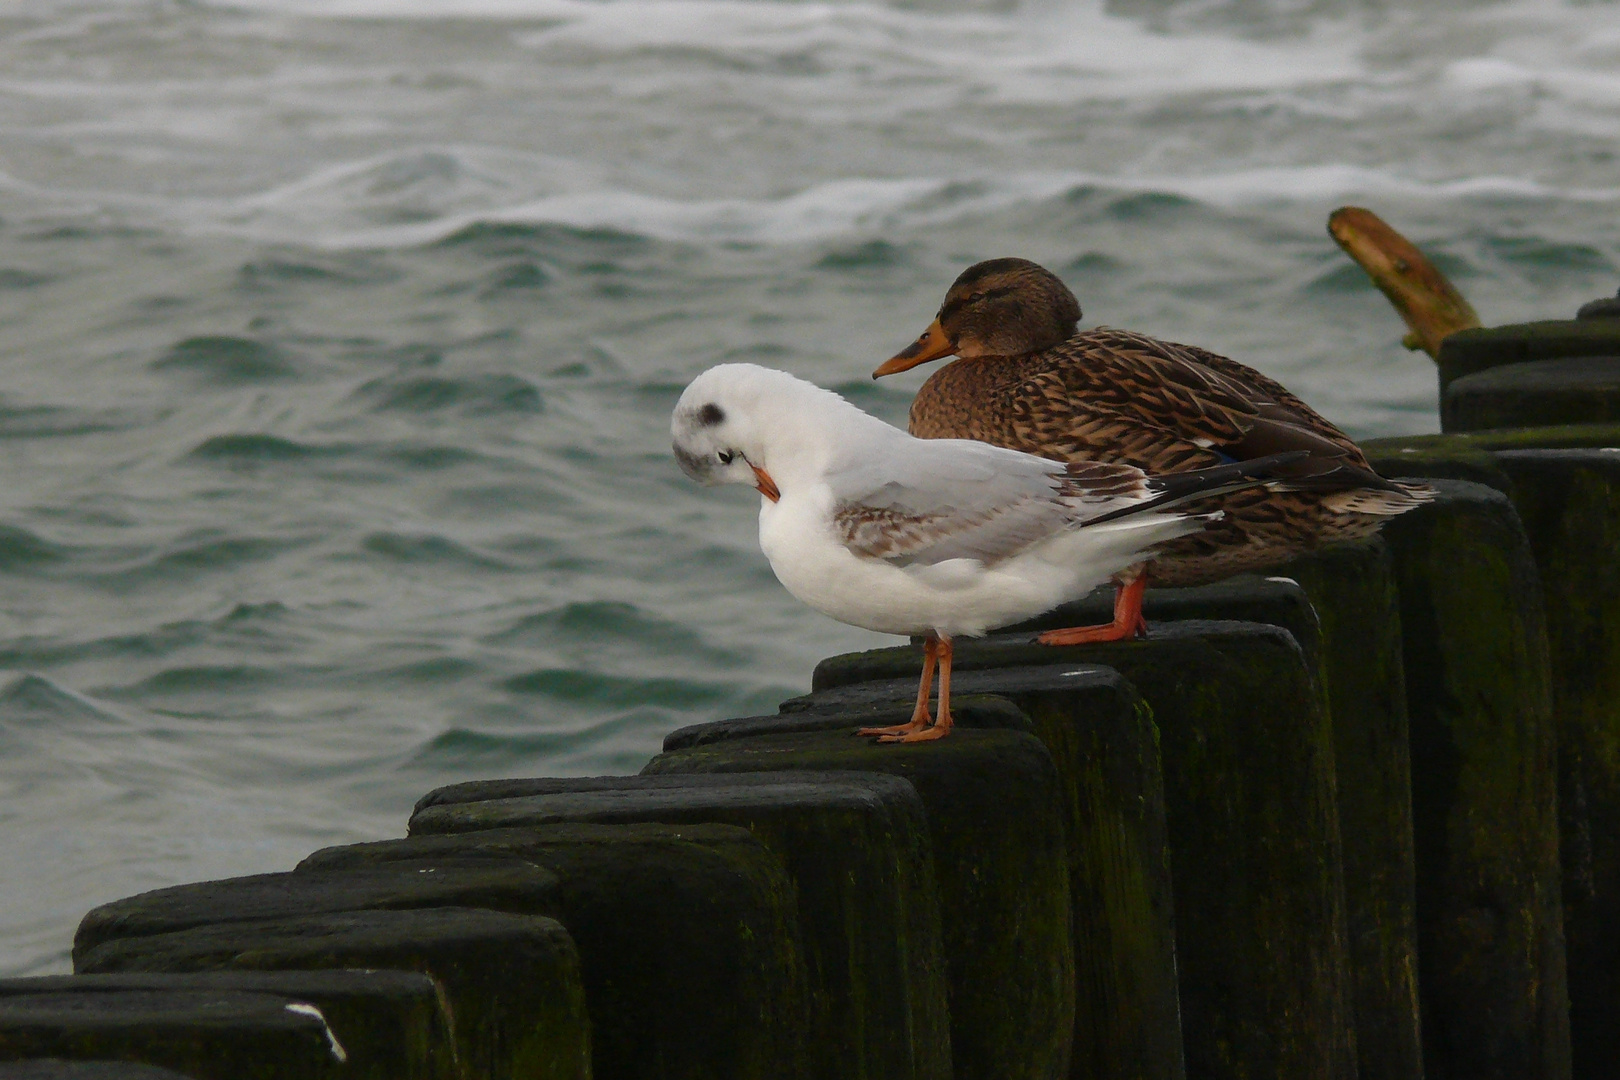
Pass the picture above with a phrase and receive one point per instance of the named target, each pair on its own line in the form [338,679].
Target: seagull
[940,537]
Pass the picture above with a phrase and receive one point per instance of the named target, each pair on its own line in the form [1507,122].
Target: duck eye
[975,298]
[726,456]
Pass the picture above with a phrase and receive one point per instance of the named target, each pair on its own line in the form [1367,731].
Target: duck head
[1000,307]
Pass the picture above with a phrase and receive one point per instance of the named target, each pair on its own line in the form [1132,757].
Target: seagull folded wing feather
[969,500]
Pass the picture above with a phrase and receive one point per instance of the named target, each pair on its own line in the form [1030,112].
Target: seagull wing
[926,501]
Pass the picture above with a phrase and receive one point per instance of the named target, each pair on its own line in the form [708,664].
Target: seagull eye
[726,456]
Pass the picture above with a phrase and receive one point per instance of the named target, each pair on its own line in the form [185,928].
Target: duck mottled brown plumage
[1025,379]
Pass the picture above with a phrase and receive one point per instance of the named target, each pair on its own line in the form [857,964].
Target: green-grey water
[340,338]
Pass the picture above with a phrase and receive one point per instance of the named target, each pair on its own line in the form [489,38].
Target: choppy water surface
[339,342]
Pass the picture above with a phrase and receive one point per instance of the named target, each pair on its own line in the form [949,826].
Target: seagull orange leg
[919,716]
[1128,622]
[942,725]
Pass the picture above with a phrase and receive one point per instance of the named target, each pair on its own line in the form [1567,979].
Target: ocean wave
[227,360]
[498,393]
[850,207]
[35,699]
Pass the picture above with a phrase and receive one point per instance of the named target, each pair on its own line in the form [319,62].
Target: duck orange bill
[932,345]
[767,487]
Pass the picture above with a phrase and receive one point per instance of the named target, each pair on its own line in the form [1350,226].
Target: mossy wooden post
[1483,348]
[1484,790]
[391,1024]
[1254,835]
[1352,588]
[1101,736]
[59,1069]
[1341,606]
[856,845]
[688,940]
[209,1035]
[996,825]
[1575,390]
[512,982]
[1569,501]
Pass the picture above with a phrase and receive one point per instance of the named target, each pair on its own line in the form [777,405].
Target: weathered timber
[1390,453]
[856,845]
[1569,391]
[211,1035]
[391,1024]
[1468,455]
[1274,599]
[1352,589]
[687,935]
[1253,828]
[1569,501]
[996,826]
[1484,799]
[1339,602]
[60,1069]
[512,982]
[1468,351]
[485,883]
[1101,737]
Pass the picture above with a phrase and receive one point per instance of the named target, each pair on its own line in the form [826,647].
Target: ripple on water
[578,686]
[57,421]
[430,549]
[31,699]
[226,360]
[258,447]
[316,268]
[22,551]
[207,553]
[496,392]
[601,622]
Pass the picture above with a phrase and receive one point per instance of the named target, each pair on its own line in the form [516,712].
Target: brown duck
[1027,380]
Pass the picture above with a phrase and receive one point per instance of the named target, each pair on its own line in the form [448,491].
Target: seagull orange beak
[932,345]
[767,487]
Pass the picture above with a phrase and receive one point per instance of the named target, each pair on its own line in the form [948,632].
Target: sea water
[339,339]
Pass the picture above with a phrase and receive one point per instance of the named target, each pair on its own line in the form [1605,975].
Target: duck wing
[1170,408]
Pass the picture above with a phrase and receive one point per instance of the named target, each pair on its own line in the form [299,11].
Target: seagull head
[716,428]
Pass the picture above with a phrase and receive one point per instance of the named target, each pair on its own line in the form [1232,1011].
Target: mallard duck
[1026,380]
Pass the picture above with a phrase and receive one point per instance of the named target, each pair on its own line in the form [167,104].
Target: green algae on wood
[1352,589]
[1569,501]
[996,827]
[59,1069]
[1470,351]
[1254,834]
[1101,737]
[969,709]
[391,1024]
[511,982]
[1484,798]
[206,1034]
[687,935]
[857,847]
[1557,436]
[1570,391]
[1339,602]
[485,883]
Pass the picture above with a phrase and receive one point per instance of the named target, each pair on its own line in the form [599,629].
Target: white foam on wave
[1030,53]
[427,194]
[854,205]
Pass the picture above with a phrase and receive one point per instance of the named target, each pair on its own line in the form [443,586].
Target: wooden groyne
[1356,818]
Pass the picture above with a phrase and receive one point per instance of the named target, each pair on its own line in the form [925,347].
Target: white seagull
[940,537]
